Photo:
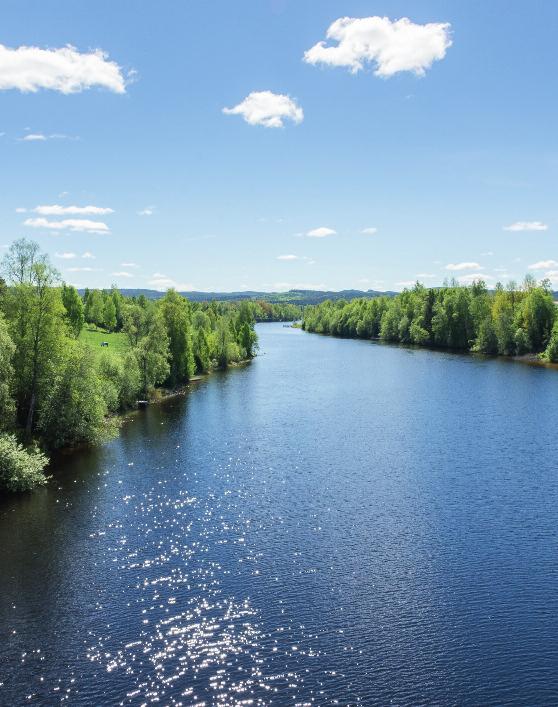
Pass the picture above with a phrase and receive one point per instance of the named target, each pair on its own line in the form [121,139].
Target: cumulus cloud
[66,256]
[527,226]
[267,109]
[29,69]
[391,46]
[72,224]
[463,266]
[148,211]
[57,210]
[369,231]
[321,232]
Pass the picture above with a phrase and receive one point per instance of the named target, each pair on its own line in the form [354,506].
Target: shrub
[20,469]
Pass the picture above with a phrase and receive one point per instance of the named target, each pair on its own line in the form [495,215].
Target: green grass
[93,337]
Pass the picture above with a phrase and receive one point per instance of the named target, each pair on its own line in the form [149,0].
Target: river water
[339,522]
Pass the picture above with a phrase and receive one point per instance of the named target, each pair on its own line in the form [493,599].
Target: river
[338,522]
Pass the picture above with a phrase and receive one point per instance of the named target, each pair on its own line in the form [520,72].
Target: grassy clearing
[94,337]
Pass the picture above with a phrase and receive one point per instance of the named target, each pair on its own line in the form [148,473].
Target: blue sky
[439,165]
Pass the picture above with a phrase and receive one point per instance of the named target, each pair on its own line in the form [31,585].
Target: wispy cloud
[321,232]
[285,286]
[267,109]
[83,269]
[29,69]
[370,231]
[129,265]
[527,226]
[122,273]
[162,282]
[71,224]
[473,277]
[391,46]
[66,256]
[88,256]
[57,210]
[463,266]
[148,211]
[288,257]
[41,137]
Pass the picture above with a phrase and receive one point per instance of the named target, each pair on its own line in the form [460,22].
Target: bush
[20,469]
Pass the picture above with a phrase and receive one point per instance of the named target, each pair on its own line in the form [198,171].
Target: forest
[506,321]
[69,364]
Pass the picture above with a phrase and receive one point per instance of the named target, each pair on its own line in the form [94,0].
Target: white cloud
[129,265]
[148,211]
[40,137]
[57,210]
[425,276]
[267,109]
[122,273]
[162,282]
[288,257]
[66,256]
[552,275]
[285,286]
[66,70]
[321,232]
[392,46]
[369,231]
[473,277]
[544,265]
[81,269]
[527,226]
[88,256]
[463,266]
[72,224]
[20,210]
[406,283]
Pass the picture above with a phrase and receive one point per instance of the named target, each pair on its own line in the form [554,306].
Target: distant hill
[290,297]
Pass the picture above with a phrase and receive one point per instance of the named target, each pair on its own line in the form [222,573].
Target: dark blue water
[340,522]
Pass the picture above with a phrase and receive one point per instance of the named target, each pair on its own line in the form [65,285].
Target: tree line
[56,390]
[507,321]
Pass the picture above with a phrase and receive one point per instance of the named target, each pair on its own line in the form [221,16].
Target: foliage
[74,410]
[507,321]
[20,469]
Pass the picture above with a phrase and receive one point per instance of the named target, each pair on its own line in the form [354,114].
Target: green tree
[74,410]
[152,354]
[175,311]
[7,350]
[73,304]
[37,327]
[109,314]
[20,469]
